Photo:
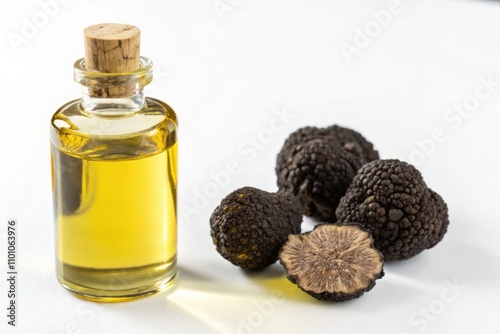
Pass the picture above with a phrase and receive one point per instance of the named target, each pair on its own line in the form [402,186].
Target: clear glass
[114,172]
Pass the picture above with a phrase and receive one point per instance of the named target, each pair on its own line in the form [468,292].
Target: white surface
[226,78]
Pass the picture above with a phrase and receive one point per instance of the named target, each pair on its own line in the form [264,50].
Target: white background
[228,72]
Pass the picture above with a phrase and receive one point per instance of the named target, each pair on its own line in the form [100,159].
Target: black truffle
[332,263]
[318,175]
[391,200]
[318,164]
[333,133]
[250,225]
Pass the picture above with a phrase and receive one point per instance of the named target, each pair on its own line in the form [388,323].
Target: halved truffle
[332,263]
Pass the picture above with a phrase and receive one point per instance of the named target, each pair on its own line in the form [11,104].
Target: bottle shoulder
[146,131]
[72,117]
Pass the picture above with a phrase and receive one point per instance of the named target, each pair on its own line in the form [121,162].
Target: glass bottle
[114,172]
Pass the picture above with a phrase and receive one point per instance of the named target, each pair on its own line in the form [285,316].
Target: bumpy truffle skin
[334,133]
[318,164]
[391,200]
[250,225]
[319,175]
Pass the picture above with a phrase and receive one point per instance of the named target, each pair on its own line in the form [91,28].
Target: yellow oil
[115,214]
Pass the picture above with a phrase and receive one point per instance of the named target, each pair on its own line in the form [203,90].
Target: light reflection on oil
[222,305]
[274,279]
[202,305]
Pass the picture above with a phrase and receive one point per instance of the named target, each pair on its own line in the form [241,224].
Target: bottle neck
[113,94]
[112,105]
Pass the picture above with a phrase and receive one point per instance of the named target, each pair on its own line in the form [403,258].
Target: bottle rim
[137,78]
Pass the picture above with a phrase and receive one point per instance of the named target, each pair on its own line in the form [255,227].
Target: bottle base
[117,285]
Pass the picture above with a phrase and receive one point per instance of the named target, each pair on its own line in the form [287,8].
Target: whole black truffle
[332,263]
[391,200]
[319,174]
[250,225]
[333,133]
[318,164]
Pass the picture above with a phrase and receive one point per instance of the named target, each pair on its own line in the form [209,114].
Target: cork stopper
[112,48]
